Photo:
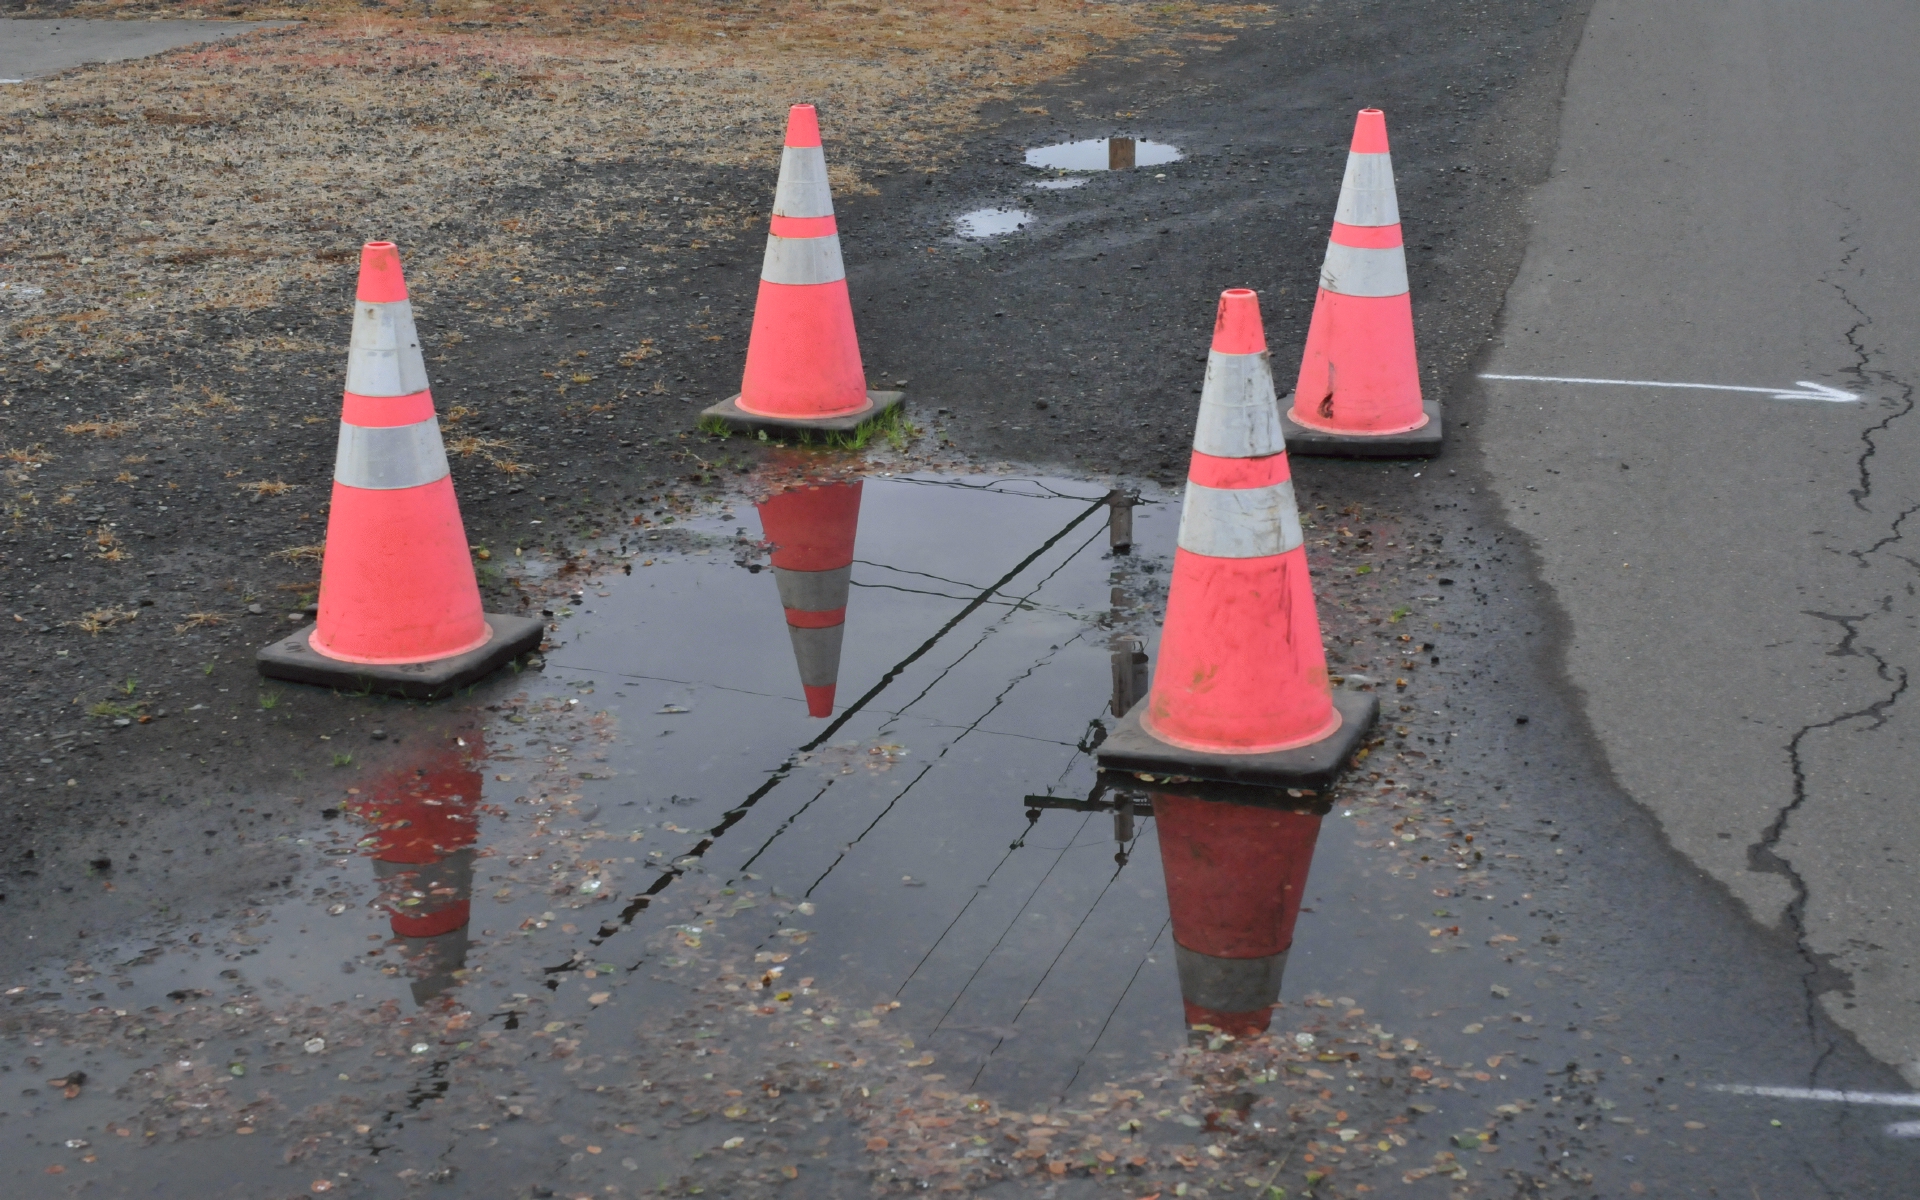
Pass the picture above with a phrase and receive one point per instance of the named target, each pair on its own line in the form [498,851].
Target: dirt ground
[579,194]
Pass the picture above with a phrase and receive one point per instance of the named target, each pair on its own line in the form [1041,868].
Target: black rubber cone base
[1132,749]
[1424,442]
[292,659]
[728,411]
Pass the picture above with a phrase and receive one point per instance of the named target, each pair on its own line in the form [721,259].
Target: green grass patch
[892,426]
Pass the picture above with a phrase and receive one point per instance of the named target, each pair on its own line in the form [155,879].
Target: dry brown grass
[100,429]
[639,354]
[468,445]
[211,403]
[268,487]
[299,143]
[97,622]
[26,456]
[302,554]
[199,620]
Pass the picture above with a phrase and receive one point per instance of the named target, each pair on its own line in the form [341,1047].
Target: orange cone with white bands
[397,583]
[803,360]
[1235,878]
[1241,669]
[1359,375]
[811,531]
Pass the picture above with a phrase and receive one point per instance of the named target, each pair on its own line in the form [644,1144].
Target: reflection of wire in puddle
[639,903]
[991,222]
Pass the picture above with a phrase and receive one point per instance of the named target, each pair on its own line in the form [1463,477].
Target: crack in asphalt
[1764,857]
[1860,556]
[1862,372]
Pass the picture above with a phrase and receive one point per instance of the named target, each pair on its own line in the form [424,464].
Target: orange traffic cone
[399,608]
[803,359]
[1241,693]
[811,531]
[425,821]
[1359,389]
[1235,877]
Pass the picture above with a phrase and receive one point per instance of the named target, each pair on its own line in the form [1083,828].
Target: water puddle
[792,863]
[1059,185]
[991,222]
[1103,154]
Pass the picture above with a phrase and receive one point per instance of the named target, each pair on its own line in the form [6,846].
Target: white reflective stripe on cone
[802,260]
[1229,985]
[1359,271]
[385,458]
[1239,522]
[814,591]
[1366,194]
[803,190]
[1239,416]
[817,652]
[384,357]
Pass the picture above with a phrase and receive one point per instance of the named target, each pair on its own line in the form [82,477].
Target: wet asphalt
[1765,537]
[1661,965]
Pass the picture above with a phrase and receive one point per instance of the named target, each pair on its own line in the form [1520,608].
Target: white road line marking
[1903,1129]
[1892,1099]
[1814,391]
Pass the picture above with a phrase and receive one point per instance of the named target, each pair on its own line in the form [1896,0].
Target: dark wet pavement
[579,931]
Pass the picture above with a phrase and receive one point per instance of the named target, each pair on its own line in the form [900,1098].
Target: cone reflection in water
[424,823]
[1236,874]
[811,532]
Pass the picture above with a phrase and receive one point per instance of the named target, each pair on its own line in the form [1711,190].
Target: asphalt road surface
[34,46]
[1733,204]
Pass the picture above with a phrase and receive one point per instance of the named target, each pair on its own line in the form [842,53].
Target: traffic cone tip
[381,280]
[803,126]
[1370,132]
[1237,329]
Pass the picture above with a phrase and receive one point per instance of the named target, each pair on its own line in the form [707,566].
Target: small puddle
[1103,154]
[1057,185]
[991,222]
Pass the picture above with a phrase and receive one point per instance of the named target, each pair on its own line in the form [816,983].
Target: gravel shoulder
[584,280]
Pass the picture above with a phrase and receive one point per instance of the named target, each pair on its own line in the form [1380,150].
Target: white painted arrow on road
[1898,1129]
[1813,391]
